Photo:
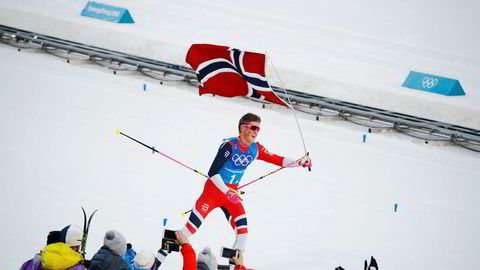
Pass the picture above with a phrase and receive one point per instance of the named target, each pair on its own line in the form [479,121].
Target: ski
[86,227]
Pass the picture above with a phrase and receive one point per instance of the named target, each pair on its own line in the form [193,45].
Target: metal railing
[319,106]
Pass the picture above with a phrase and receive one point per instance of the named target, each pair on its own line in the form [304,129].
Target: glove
[305,162]
[233,196]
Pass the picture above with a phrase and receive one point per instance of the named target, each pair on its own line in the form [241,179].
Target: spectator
[72,235]
[129,256]
[206,260]
[189,257]
[145,260]
[110,255]
[239,265]
[61,251]
[32,264]
[35,263]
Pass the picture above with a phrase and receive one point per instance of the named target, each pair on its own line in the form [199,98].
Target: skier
[220,190]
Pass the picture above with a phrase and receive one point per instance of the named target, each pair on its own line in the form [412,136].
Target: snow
[60,150]
[355,51]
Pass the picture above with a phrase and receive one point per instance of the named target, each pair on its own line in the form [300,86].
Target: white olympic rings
[429,82]
[242,160]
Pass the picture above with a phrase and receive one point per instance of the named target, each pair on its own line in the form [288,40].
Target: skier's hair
[247,118]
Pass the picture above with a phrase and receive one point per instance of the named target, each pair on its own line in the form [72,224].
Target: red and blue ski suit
[226,171]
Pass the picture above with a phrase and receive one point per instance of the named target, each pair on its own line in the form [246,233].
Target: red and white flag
[230,72]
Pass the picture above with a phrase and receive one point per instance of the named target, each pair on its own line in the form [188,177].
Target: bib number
[233,180]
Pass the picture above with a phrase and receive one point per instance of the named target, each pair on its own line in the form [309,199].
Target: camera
[229,253]
[169,234]
[170,245]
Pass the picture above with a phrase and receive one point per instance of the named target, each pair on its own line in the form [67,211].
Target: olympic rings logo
[429,82]
[242,160]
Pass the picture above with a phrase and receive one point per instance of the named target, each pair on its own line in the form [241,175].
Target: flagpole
[290,103]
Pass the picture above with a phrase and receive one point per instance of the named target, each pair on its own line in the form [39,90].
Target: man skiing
[220,190]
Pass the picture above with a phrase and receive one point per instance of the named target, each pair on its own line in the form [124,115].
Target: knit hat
[115,241]
[202,266]
[206,260]
[72,235]
[54,237]
[144,260]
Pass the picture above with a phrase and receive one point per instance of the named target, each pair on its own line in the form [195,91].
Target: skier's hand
[305,162]
[233,196]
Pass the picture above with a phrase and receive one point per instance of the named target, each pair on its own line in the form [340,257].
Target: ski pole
[183,214]
[172,159]
[291,106]
[158,152]
[270,173]
[261,177]
[196,171]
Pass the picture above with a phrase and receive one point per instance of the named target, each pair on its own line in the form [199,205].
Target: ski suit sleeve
[287,162]
[220,159]
[264,155]
[159,258]
[189,257]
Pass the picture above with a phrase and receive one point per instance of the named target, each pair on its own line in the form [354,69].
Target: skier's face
[250,132]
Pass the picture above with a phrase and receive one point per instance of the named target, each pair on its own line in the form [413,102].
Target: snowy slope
[349,50]
[60,152]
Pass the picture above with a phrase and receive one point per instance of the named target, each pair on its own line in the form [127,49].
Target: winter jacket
[155,266]
[32,264]
[105,259]
[77,267]
[189,257]
[129,257]
[35,264]
[59,256]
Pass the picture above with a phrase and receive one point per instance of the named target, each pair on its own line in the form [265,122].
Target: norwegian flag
[230,72]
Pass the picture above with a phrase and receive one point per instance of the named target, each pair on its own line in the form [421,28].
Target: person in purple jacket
[61,251]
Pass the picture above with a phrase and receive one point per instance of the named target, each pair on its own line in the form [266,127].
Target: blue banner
[106,12]
[433,83]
